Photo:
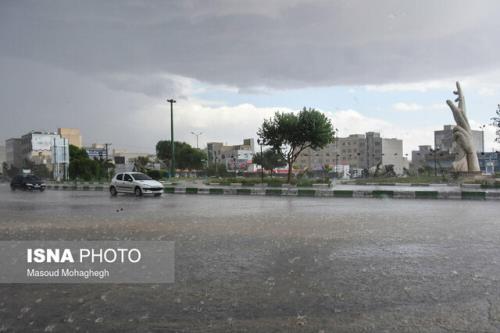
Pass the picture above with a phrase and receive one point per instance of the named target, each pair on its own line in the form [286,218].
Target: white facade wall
[392,153]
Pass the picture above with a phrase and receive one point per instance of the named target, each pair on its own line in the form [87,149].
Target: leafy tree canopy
[269,159]
[186,157]
[289,134]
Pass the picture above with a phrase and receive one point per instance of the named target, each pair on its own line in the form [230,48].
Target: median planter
[169,190]
[306,193]
[426,195]
[343,194]
[273,191]
[191,190]
[216,191]
[382,194]
[243,191]
[470,195]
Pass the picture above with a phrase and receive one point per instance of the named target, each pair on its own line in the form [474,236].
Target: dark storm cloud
[107,66]
[277,44]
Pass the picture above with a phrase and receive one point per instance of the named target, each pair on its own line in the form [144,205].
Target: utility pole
[197,135]
[107,158]
[260,143]
[336,153]
[172,144]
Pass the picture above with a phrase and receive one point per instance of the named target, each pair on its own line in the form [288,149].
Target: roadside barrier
[468,194]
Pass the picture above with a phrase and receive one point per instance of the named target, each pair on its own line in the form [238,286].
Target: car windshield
[32,178]
[141,176]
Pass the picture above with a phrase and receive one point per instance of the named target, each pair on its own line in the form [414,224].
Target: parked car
[27,183]
[135,182]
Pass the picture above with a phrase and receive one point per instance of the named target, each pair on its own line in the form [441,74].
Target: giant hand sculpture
[463,145]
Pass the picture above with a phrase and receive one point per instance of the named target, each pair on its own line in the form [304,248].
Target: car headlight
[29,184]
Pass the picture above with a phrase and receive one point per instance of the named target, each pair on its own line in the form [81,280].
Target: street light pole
[106,145]
[336,153]
[197,135]
[172,165]
[260,143]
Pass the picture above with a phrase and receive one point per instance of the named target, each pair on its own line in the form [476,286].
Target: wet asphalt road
[267,264]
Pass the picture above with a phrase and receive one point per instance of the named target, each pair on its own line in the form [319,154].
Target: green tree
[496,123]
[186,157]
[218,170]
[269,160]
[289,134]
[82,167]
[77,153]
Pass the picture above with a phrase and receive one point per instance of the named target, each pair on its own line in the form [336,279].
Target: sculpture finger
[461,100]
[460,130]
[457,114]
[463,138]
[460,138]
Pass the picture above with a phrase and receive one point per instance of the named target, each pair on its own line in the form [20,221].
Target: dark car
[27,182]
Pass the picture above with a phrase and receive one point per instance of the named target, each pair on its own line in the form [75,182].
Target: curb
[316,192]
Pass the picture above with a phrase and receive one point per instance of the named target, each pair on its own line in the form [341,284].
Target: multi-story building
[46,148]
[358,151]
[418,156]
[443,139]
[2,155]
[72,134]
[13,156]
[237,157]
[392,154]
[40,148]
[441,158]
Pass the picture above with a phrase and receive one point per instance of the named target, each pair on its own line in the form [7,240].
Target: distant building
[40,148]
[3,157]
[72,134]
[442,157]
[489,162]
[98,152]
[443,139]
[392,154]
[418,156]
[13,154]
[125,161]
[358,151]
[237,157]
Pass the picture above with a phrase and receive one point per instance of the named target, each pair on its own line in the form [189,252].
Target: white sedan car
[135,182]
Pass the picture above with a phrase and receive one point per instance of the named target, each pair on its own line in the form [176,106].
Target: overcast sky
[107,67]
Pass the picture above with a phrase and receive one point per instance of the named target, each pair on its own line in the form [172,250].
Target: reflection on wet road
[268,264]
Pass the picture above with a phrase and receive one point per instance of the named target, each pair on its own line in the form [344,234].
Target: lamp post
[336,152]
[234,165]
[172,144]
[197,135]
[260,143]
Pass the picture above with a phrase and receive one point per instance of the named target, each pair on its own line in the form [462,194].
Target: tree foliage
[186,157]
[289,134]
[496,123]
[217,170]
[84,168]
[269,160]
